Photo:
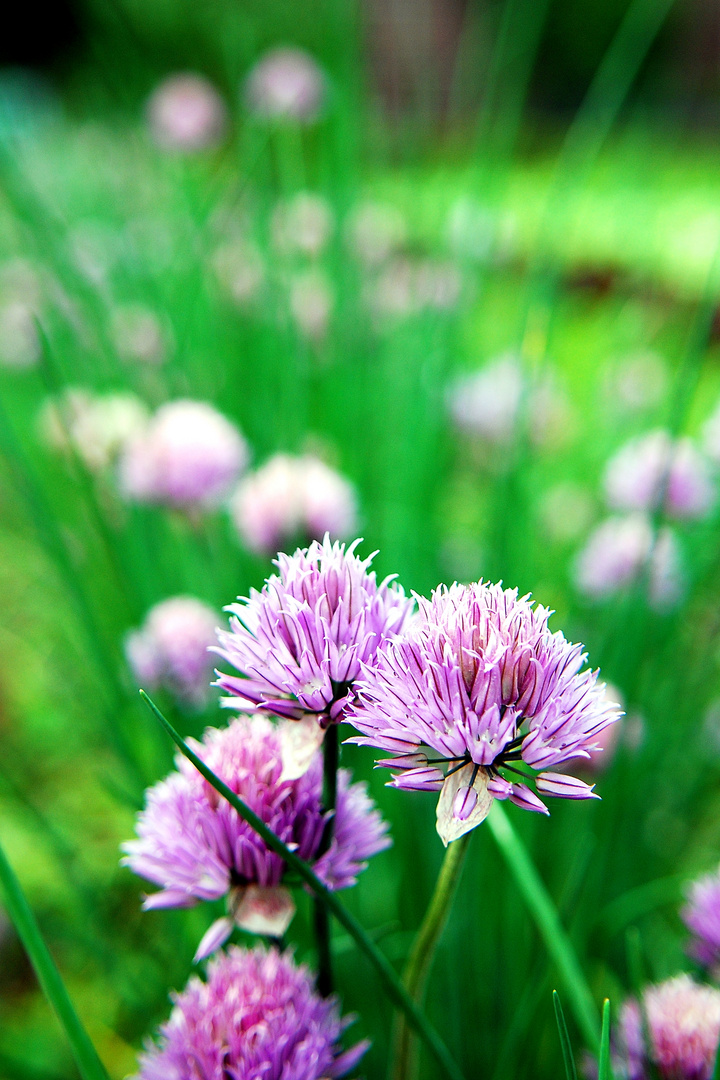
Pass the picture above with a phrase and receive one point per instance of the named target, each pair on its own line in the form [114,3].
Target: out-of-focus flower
[186,113]
[300,642]
[240,271]
[653,469]
[286,84]
[405,288]
[96,427]
[197,847]
[257,1015]
[138,334]
[487,403]
[189,455]
[293,498]
[479,679]
[171,648]
[683,1027]
[566,510]
[638,382]
[311,304]
[620,550]
[302,225]
[701,915]
[375,231]
[471,230]
[19,338]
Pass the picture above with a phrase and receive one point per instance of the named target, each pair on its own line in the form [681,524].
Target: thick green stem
[417,969]
[546,918]
[322,918]
[391,982]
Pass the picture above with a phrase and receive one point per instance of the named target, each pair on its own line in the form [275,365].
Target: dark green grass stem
[321,917]
[604,1064]
[392,984]
[89,1064]
[546,918]
[404,1055]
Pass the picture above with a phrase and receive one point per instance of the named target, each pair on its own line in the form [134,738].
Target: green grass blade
[548,923]
[568,1059]
[390,979]
[604,1066]
[89,1064]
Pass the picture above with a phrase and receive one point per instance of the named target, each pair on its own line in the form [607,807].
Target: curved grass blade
[548,922]
[390,979]
[604,1066]
[568,1059]
[86,1057]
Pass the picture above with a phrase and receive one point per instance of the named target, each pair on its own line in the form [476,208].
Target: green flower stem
[86,1057]
[391,981]
[417,969]
[548,923]
[321,917]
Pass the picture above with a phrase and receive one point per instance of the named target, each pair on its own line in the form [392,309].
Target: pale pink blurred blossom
[171,649]
[302,225]
[290,499]
[654,469]
[189,455]
[620,550]
[186,113]
[286,84]
[96,427]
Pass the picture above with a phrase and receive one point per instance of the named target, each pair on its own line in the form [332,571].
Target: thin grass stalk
[321,917]
[86,1057]
[404,1059]
[392,984]
[544,912]
[568,1059]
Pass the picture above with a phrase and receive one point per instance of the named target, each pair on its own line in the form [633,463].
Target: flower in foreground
[258,1015]
[171,648]
[292,497]
[701,915]
[301,641]
[479,687]
[682,1022]
[188,456]
[197,847]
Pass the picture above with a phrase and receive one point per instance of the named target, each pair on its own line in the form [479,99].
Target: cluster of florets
[171,648]
[257,1015]
[480,682]
[701,915]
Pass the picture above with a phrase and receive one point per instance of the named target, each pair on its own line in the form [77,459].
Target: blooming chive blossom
[682,1020]
[286,84]
[258,1015]
[189,455]
[652,470]
[292,497]
[197,847]
[701,915]
[301,641]
[480,680]
[171,648]
[186,113]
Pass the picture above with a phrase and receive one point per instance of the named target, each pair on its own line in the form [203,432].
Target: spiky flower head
[197,847]
[654,469]
[171,648]
[674,1036]
[257,1015]
[291,497]
[701,915]
[189,455]
[478,686]
[301,641]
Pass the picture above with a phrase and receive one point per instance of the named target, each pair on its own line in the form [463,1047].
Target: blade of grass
[568,1059]
[390,979]
[86,1057]
[604,1065]
[548,923]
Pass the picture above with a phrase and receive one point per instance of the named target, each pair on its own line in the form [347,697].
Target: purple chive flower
[195,845]
[479,679]
[620,550]
[257,1015]
[171,649]
[653,469]
[701,915]
[291,497]
[286,84]
[682,1021]
[189,456]
[301,642]
[186,113]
